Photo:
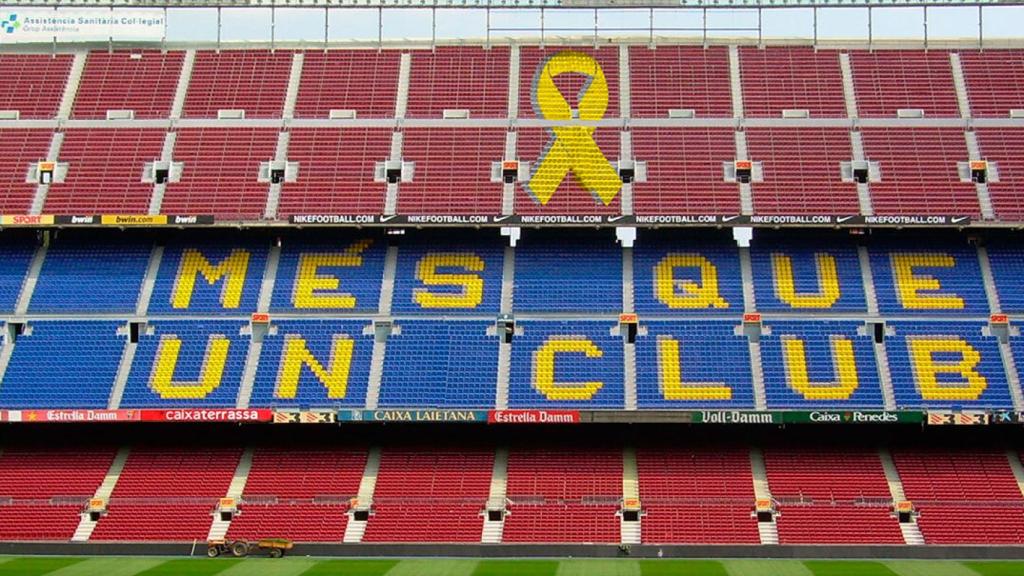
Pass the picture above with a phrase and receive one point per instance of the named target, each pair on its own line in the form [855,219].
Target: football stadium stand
[440,130]
[367,322]
[666,236]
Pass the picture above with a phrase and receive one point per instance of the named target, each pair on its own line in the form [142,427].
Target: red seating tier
[696,496]
[684,171]
[139,80]
[825,475]
[297,521]
[252,80]
[452,172]
[299,494]
[362,80]
[42,474]
[1005,147]
[105,171]
[33,83]
[919,171]
[336,168]
[566,522]
[837,524]
[22,522]
[433,495]
[167,494]
[221,170]
[531,61]
[963,497]
[291,473]
[781,78]
[949,523]
[801,171]
[888,80]
[995,81]
[680,77]
[570,197]
[459,77]
[19,149]
[568,495]
[699,523]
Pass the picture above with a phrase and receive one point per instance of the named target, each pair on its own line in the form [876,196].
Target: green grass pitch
[300,566]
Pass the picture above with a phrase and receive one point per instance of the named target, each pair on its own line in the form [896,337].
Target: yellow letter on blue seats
[909,285]
[926,368]
[193,263]
[844,365]
[670,377]
[162,382]
[687,293]
[544,368]
[472,285]
[296,355]
[785,285]
[308,281]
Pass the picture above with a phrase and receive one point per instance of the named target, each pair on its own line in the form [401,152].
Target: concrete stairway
[356,528]
[86,526]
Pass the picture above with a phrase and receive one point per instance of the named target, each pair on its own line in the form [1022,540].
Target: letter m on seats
[230,271]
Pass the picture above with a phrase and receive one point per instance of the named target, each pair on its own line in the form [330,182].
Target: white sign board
[79,25]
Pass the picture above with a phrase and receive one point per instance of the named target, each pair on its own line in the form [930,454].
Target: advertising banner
[20,25]
[69,416]
[533,417]
[207,415]
[412,416]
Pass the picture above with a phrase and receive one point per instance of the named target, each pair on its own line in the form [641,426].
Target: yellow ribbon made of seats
[572,148]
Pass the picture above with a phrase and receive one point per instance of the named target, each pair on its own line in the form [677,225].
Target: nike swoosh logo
[386,218]
[615,218]
[501,218]
[959,219]
[729,218]
[841,219]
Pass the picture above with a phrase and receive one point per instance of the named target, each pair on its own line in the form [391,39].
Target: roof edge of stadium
[547,40]
[502,4]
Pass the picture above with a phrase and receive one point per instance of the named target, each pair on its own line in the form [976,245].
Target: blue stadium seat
[344,276]
[951,379]
[276,383]
[553,277]
[834,378]
[1008,274]
[696,280]
[822,280]
[14,262]
[450,364]
[91,278]
[471,273]
[941,281]
[587,369]
[63,365]
[208,279]
[180,377]
[703,364]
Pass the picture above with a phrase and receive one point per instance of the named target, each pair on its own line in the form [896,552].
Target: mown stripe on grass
[998,568]
[191,567]
[355,567]
[516,568]
[434,567]
[270,567]
[682,568]
[930,568]
[36,566]
[760,567]
[110,566]
[598,567]
[848,568]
